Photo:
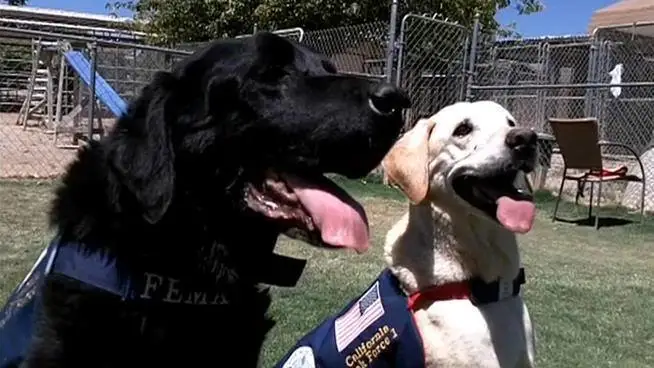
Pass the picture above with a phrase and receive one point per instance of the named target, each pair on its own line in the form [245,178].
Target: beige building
[623,12]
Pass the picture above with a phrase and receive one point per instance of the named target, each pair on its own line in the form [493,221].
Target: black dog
[187,195]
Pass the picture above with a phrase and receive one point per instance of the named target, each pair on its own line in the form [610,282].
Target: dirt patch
[32,152]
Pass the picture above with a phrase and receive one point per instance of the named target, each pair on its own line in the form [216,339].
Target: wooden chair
[579,144]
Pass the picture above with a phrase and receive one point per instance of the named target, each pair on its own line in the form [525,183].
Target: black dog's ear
[273,50]
[142,154]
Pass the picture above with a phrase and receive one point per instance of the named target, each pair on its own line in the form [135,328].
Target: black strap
[484,293]
[282,270]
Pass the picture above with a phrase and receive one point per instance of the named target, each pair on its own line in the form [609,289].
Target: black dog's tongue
[341,220]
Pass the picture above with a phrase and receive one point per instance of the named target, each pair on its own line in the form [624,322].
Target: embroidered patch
[361,315]
[302,357]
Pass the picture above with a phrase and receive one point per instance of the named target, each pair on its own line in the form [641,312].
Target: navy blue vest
[102,270]
[376,330]
[17,316]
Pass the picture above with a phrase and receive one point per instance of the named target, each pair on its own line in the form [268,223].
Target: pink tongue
[516,216]
[341,220]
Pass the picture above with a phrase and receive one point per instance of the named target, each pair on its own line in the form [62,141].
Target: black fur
[163,192]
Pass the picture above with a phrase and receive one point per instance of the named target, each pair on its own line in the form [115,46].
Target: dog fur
[443,238]
[166,191]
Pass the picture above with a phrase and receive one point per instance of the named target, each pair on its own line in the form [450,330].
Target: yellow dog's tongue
[341,219]
[517,216]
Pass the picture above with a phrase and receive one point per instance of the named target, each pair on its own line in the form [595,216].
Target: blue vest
[17,316]
[102,270]
[376,330]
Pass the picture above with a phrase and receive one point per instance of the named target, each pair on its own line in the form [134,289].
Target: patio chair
[579,144]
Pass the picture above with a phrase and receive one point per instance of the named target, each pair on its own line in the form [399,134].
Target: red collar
[475,290]
[452,290]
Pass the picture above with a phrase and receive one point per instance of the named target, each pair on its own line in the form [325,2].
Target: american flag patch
[363,313]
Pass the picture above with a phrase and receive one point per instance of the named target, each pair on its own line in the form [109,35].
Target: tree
[174,21]
[15,2]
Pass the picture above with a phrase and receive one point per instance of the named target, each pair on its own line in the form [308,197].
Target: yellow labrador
[455,252]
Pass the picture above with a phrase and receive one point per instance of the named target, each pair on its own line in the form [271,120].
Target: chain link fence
[431,64]
[626,113]
[513,64]
[45,99]
[359,49]
[295,34]
[44,106]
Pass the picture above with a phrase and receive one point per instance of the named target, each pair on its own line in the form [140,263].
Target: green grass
[590,292]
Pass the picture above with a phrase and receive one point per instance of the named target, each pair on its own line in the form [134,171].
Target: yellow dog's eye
[463,129]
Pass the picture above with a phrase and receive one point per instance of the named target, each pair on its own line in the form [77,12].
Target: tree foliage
[174,21]
[14,2]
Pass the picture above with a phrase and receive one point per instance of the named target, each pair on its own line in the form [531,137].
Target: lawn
[590,292]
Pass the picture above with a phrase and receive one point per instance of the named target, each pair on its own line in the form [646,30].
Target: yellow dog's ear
[406,163]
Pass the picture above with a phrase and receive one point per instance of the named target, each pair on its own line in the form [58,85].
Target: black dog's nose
[385,99]
[520,139]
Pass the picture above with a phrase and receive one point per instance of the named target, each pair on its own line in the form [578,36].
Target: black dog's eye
[511,123]
[463,129]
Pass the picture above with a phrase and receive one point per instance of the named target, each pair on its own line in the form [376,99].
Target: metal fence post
[390,52]
[92,99]
[542,95]
[464,70]
[400,53]
[473,58]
